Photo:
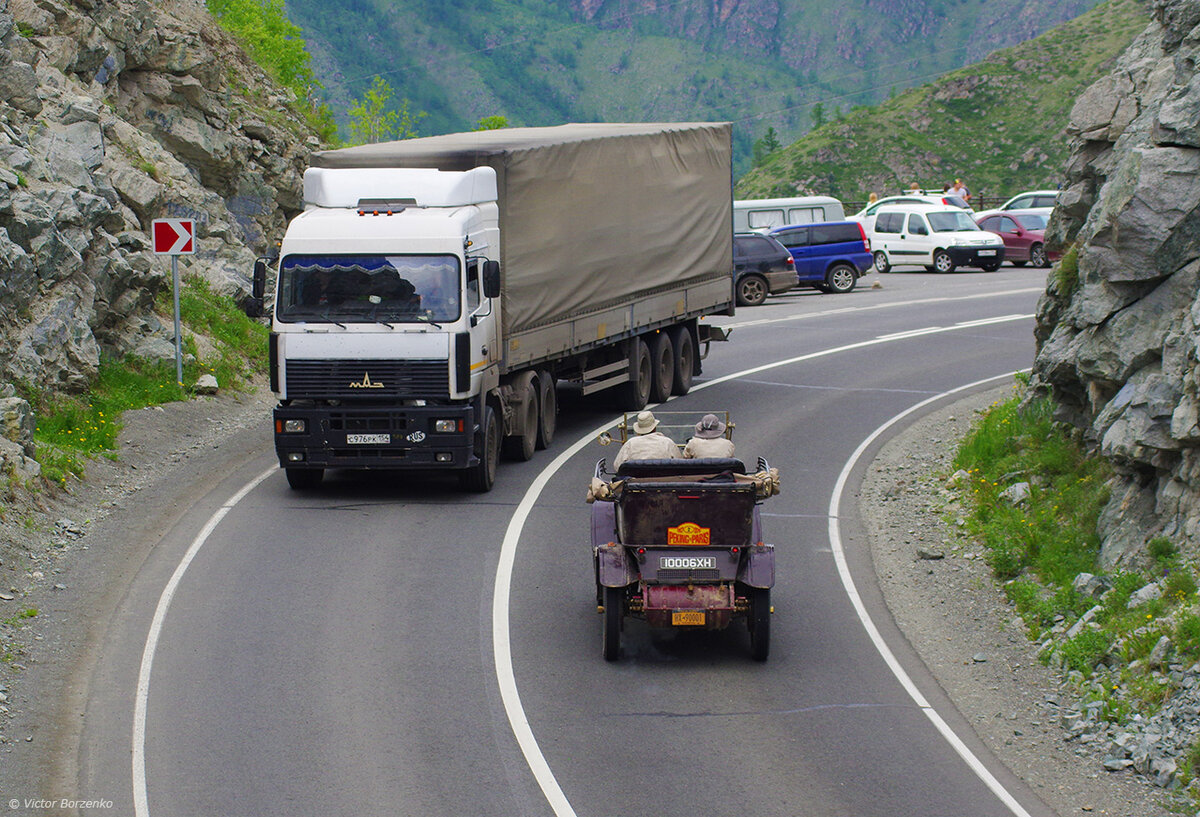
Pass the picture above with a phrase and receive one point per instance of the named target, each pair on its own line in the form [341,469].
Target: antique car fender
[758,569]
[614,566]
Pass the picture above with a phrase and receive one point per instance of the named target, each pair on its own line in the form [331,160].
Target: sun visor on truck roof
[345,187]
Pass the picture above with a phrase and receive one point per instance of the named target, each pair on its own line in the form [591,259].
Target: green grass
[1052,534]
[70,428]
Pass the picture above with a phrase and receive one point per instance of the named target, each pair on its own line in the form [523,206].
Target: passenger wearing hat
[647,444]
[709,440]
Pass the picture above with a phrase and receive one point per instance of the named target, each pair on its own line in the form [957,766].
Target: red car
[1024,237]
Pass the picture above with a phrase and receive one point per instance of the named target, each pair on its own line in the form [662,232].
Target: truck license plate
[987,252]
[687,618]
[368,439]
[687,562]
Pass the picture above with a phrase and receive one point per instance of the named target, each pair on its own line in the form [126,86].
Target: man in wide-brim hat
[709,439]
[647,443]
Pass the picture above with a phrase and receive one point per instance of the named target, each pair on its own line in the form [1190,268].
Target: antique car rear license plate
[368,439]
[687,562]
[687,617]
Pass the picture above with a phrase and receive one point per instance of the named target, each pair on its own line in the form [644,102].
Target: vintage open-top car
[679,543]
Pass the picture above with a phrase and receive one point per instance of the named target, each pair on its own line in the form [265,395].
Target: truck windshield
[369,288]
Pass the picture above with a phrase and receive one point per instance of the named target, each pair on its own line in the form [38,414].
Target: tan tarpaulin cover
[591,215]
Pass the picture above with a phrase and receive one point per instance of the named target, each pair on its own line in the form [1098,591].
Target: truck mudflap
[374,437]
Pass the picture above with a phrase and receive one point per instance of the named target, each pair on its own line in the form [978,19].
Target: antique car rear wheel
[759,623]
[612,623]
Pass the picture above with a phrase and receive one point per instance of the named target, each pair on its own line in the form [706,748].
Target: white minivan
[938,238]
[760,215]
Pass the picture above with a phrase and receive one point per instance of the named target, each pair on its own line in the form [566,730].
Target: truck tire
[304,479]
[634,394]
[662,358]
[942,262]
[547,408]
[685,359]
[759,623]
[520,447]
[611,633]
[482,476]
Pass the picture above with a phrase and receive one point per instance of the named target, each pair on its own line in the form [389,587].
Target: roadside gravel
[65,555]
[955,615]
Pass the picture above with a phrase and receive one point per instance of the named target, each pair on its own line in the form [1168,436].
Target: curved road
[332,653]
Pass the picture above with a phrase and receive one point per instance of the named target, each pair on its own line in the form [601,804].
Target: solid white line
[502,648]
[839,555]
[141,800]
[844,310]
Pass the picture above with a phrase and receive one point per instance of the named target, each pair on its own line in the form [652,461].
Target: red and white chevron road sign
[174,236]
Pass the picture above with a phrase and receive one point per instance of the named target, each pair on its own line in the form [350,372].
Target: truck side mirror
[491,279]
[258,289]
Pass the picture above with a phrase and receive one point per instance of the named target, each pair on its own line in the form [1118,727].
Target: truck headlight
[294,427]
[444,426]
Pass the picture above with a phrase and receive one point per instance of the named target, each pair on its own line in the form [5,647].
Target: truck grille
[367,379]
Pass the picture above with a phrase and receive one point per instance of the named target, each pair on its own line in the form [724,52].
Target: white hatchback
[940,239]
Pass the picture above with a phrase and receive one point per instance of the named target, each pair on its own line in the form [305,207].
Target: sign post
[175,237]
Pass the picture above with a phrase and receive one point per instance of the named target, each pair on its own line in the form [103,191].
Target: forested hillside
[758,63]
[999,124]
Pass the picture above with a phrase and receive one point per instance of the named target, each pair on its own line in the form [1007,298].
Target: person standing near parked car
[959,189]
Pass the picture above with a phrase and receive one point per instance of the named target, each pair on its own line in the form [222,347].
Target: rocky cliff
[115,113]
[1118,329]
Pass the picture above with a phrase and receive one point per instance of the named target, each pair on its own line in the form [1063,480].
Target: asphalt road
[343,652]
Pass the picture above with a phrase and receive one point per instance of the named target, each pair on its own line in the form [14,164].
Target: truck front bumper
[409,437]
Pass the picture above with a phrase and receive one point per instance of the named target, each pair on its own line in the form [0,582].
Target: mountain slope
[758,63]
[998,124]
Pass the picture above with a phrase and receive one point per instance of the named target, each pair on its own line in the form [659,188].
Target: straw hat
[709,427]
[645,423]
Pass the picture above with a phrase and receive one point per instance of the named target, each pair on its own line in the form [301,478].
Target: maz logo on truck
[365,383]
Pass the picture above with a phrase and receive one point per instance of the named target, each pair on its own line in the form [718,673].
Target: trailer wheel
[759,623]
[304,479]
[613,599]
[520,447]
[634,394]
[662,358]
[487,448]
[685,359]
[547,408]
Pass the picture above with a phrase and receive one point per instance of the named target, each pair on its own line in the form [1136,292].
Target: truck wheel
[520,447]
[304,479]
[840,278]
[942,262]
[662,359]
[547,409]
[685,359]
[611,634]
[751,290]
[635,393]
[487,448]
[759,623]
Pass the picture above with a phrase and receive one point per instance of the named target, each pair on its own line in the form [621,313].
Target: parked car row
[939,232]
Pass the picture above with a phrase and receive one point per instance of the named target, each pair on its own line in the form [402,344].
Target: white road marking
[502,649]
[501,646]
[141,800]
[839,555]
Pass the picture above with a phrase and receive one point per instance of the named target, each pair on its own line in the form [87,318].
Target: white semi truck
[435,290]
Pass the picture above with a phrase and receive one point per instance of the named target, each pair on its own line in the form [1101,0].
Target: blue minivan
[830,256]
